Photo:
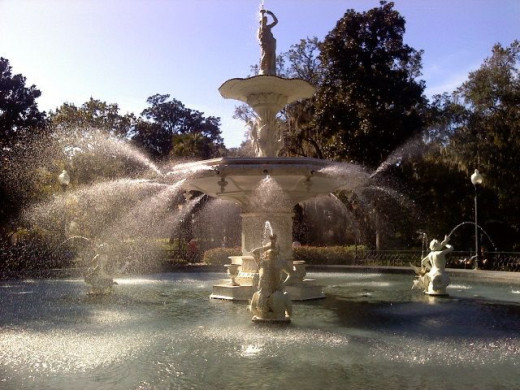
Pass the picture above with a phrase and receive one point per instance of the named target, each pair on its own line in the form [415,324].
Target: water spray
[478,227]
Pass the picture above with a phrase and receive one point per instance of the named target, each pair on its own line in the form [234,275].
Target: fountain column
[241,180]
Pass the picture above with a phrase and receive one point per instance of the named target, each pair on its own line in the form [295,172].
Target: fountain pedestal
[300,289]
[242,290]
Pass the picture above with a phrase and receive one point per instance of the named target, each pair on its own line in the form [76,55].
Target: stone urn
[299,272]
[232,271]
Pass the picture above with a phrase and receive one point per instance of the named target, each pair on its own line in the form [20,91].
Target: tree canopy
[168,128]
[20,122]
[478,126]
[19,114]
[93,114]
[370,101]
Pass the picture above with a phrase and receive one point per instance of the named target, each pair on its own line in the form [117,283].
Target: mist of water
[147,217]
[479,227]
[269,196]
[98,142]
[413,147]
[349,176]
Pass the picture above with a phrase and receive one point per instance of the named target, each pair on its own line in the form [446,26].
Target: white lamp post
[64,179]
[476,180]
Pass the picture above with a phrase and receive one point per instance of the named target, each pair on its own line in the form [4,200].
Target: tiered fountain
[266,187]
[161,331]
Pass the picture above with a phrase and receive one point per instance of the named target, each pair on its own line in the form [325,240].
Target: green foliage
[301,137]
[20,122]
[478,127]
[369,102]
[26,251]
[220,256]
[19,114]
[91,142]
[193,146]
[93,114]
[168,128]
[326,255]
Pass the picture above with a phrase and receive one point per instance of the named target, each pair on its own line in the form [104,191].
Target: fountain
[267,187]
[96,275]
[161,330]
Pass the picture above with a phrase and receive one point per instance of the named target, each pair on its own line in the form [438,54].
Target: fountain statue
[96,276]
[267,44]
[95,273]
[270,302]
[266,93]
[431,276]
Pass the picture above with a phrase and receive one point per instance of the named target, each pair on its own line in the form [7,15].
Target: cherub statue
[432,277]
[270,302]
[101,283]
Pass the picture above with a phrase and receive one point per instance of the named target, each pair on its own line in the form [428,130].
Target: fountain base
[304,292]
[240,287]
[285,320]
[232,293]
[445,295]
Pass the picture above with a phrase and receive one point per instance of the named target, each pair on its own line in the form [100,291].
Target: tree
[301,137]
[479,125]
[92,141]
[193,145]
[93,114]
[369,101]
[163,126]
[20,122]
[19,114]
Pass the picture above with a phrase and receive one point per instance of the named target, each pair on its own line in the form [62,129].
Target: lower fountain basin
[162,331]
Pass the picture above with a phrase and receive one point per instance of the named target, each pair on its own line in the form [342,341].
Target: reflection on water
[163,331]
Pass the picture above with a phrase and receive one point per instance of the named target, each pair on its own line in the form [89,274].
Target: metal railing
[496,261]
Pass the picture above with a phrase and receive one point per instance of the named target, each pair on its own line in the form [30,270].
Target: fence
[496,261]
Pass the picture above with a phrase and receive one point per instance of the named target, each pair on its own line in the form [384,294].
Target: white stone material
[267,95]
[270,303]
[432,277]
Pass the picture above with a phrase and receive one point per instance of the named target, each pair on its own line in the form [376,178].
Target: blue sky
[123,51]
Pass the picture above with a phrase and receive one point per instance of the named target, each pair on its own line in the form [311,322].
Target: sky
[124,51]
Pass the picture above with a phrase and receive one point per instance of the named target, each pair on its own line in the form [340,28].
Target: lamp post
[64,180]
[476,180]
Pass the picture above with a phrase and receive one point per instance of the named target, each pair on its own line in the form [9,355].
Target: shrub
[219,256]
[310,254]
[325,254]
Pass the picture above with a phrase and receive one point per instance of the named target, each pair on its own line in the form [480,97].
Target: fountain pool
[162,332]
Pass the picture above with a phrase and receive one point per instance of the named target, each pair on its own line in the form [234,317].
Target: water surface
[163,332]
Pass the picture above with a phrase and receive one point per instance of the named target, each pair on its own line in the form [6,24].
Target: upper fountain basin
[255,90]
